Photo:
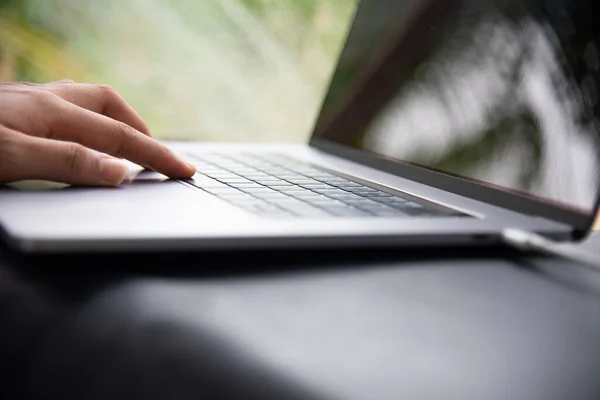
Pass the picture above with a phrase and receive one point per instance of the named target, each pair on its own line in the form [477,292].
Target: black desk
[487,324]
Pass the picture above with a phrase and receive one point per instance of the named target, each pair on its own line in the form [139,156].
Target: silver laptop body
[445,123]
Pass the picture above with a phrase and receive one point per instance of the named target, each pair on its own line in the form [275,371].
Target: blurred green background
[223,70]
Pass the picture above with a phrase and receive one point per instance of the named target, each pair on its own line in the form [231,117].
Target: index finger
[114,137]
[101,99]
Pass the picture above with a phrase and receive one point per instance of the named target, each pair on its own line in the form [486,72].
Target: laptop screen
[501,92]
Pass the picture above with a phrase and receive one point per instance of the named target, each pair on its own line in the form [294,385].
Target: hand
[67,132]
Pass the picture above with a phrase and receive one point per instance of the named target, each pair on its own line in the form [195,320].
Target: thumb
[66,162]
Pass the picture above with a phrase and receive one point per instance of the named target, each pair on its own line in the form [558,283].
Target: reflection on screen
[504,92]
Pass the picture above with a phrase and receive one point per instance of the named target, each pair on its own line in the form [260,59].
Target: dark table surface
[436,324]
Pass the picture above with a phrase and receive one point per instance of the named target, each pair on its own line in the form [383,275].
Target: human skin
[76,134]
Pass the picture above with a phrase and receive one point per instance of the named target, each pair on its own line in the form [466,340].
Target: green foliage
[200,69]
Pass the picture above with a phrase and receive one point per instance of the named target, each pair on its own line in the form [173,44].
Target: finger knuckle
[44,100]
[123,135]
[51,113]
[75,158]
[9,154]
[68,86]
[107,90]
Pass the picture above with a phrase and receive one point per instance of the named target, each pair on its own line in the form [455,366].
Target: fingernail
[113,172]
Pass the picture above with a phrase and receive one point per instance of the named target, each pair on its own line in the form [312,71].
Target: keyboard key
[209,172]
[290,204]
[221,175]
[247,185]
[307,171]
[292,178]
[321,176]
[361,203]
[345,196]
[257,190]
[289,189]
[243,171]
[256,175]
[401,208]
[201,165]
[268,184]
[288,200]
[234,181]
[306,196]
[203,181]
[272,195]
[362,190]
[368,204]
[318,185]
[331,191]
[303,181]
[359,200]
[273,182]
[283,186]
[391,200]
[222,190]
[376,194]
[347,184]
[335,179]
[327,202]
[273,171]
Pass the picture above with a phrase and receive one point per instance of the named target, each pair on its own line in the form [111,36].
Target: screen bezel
[581,222]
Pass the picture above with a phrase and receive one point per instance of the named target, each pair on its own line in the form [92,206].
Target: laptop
[446,122]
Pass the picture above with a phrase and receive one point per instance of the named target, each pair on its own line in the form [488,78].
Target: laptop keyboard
[278,186]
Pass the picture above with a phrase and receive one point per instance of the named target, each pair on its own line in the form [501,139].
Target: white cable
[527,241]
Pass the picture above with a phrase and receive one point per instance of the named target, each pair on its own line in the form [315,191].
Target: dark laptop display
[500,92]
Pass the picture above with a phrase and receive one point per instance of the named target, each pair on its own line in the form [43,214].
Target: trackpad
[148,204]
